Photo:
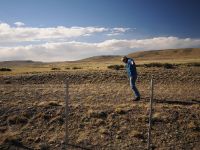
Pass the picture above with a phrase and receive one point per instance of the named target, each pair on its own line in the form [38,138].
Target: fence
[99,116]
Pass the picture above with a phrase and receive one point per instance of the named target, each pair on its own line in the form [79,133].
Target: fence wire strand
[74,89]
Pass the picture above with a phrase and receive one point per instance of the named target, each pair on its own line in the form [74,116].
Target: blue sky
[50,29]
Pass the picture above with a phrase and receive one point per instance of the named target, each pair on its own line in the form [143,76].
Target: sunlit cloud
[121,29]
[73,50]
[19,24]
[21,33]
[118,31]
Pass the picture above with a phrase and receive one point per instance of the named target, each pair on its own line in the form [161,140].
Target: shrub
[195,64]
[136,134]
[153,65]
[7,82]
[13,139]
[67,68]
[116,67]
[165,65]
[76,68]
[139,65]
[97,114]
[55,68]
[44,146]
[5,69]
[17,119]
[168,66]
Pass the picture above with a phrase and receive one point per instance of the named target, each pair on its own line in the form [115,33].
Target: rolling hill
[20,63]
[102,58]
[188,53]
[168,55]
[153,55]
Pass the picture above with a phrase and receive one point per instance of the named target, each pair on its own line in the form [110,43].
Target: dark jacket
[131,68]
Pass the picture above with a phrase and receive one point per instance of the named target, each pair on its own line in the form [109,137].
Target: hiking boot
[136,99]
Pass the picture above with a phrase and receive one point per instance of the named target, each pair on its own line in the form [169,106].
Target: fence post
[66,113]
[150,116]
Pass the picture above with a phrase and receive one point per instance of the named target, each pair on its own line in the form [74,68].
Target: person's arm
[132,65]
[131,74]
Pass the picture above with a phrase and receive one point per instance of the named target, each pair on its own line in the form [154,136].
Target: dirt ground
[102,114]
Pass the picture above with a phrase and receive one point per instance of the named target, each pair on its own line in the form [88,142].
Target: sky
[63,30]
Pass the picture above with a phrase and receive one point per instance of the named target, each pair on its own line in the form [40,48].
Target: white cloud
[150,44]
[23,34]
[113,34]
[60,51]
[121,29]
[19,24]
[118,31]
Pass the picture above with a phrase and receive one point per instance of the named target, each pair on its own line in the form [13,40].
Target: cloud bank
[73,50]
[66,43]
[21,33]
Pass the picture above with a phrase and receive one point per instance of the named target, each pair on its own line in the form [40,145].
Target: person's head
[124,59]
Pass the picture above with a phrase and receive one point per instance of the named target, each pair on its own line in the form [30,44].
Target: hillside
[19,63]
[102,58]
[167,54]
[152,55]
[175,56]
[188,53]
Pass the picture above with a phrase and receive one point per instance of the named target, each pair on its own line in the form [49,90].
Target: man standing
[132,73]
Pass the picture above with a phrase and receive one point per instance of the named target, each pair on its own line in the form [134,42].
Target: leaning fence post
[66,113]
[150,116]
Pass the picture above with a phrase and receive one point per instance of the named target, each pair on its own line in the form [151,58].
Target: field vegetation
[102,114]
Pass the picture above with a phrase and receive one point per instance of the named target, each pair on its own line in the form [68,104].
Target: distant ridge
[167,54]
[102,58]
[19,63]
[186,53]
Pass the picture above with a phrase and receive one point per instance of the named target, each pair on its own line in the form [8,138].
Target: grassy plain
[101,112]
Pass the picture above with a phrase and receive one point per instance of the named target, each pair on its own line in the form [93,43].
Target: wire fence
[99,116]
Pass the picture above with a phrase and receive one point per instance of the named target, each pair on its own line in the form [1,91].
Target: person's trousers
[133,86]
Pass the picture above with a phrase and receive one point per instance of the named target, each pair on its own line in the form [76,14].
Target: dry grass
[101,113]
[136,134]
[49,103]
[11,137]
[174,56]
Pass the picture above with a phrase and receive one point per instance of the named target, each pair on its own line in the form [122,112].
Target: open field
[98,63]
[102,115]
[101,112]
